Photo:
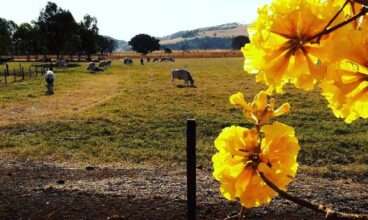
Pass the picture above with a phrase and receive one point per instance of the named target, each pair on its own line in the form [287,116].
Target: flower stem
[340,25]
[238,216]
[335,17]
[362,2]
[330,214]
[241,214]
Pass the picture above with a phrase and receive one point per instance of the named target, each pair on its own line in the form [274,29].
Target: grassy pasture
[35,87]
[144,120]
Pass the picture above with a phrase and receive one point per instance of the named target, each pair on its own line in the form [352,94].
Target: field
[134,116]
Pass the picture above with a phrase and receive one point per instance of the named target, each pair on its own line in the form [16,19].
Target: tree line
[144,44]
[55,31]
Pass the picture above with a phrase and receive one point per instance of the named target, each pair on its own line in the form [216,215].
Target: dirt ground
[35,190]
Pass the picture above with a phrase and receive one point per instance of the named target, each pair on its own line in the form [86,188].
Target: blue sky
[123,19]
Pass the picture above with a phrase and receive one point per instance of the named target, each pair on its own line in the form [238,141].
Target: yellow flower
[242,154]
[280,50]
[346,84]
[261,110]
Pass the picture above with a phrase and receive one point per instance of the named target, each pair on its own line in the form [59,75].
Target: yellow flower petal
[238,100]
[239,174]
[282,110]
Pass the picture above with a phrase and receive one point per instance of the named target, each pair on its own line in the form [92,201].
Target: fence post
[22,71]
[15,75]
[6,74]
[30,72]
[191,169]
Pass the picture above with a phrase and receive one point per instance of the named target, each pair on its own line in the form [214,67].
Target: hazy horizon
[159,18]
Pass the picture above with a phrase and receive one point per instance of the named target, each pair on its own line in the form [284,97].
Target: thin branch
[330,214]
[340,25]
[238,216]
[241,214]
[233,217]
[362,2]
[333,19]
[336,15]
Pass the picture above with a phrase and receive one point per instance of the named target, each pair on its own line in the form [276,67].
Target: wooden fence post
[15,75]
[30,72]
[6,74]
[22,71]
[191,169]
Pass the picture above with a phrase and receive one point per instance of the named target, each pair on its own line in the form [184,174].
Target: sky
[122,19]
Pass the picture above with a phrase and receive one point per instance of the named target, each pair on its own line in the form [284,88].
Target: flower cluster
[270,149]
[260,111]
[313,42]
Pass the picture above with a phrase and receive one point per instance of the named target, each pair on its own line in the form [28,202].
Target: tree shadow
[42,191]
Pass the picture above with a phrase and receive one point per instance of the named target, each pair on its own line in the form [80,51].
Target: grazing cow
[49,79]
[182,75]
[61,63]
[104,64]
[167,59]
[92,67]
[128,61]
[156,60]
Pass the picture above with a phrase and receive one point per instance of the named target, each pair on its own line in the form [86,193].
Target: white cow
[49,79]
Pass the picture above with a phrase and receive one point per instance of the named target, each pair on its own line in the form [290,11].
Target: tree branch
[363,12]
[362,2]
[238,216]
[330,214]
[335,17]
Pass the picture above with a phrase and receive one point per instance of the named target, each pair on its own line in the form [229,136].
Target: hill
[121,45]
[215,37]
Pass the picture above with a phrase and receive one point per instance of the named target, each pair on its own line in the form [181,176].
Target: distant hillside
[216,37]
[121,45]
[202,43]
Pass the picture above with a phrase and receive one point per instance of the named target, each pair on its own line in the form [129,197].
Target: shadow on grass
[186,87]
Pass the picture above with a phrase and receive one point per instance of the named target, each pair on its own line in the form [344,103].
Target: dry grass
[183,54]
[144,121]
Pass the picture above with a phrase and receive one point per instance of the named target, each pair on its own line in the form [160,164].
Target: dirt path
[30,190]
[90,93]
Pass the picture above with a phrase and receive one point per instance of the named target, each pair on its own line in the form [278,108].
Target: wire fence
[21,73]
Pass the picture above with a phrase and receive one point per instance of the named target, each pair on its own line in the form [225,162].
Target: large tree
[106,44]
[144,44]
[88,31]
[7,30]
[23,39]
[57,27]
[239,42]
[54,32]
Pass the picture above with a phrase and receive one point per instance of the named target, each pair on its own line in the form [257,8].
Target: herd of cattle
[98,66]
[176,74]
[129,61]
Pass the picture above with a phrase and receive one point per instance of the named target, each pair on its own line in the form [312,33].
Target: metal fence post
[191,169]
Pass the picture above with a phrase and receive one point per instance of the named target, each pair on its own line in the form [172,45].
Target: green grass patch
[145,121]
